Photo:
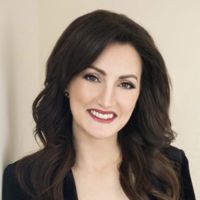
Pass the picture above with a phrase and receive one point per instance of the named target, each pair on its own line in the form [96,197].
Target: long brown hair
[142,139]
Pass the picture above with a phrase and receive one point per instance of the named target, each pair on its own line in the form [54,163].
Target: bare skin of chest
[98,186]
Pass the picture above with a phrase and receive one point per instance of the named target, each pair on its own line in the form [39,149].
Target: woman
[103,120]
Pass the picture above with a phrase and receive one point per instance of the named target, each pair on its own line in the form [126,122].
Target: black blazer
[12,191]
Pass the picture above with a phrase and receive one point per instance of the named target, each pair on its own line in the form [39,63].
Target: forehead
[119,59]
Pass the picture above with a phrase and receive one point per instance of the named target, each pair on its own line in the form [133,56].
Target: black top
[12,191]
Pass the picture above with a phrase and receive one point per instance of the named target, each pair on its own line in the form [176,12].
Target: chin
[101,134]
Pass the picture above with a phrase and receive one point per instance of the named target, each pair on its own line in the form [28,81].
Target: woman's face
[103,96]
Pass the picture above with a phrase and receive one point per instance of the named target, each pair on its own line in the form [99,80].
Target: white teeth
[102,116]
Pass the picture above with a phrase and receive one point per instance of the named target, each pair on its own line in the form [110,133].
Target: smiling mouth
[103,118]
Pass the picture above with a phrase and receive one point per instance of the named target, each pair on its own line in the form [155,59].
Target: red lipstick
[102,116]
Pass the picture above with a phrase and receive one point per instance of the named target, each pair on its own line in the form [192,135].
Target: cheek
[128,103]
[82,94]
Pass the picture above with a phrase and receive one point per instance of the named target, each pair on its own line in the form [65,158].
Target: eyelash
[91,78]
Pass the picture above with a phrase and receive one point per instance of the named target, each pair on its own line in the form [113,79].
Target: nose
[106,98]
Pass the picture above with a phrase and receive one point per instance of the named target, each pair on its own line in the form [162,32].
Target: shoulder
[181,164]
[9,176]
[174,154]
[177,157]
[11,187]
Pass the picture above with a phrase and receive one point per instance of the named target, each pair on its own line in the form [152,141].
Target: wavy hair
[141,140]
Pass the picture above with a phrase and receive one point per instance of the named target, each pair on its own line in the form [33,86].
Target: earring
[67,94]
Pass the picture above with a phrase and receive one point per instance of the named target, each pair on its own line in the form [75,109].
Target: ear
[67,91]
[67,88]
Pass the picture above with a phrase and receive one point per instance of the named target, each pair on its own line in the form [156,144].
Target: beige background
[29,30]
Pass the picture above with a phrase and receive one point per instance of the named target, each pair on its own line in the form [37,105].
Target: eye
[91,78]
[127,85]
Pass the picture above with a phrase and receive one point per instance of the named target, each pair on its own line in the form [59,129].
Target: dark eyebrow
[104,73]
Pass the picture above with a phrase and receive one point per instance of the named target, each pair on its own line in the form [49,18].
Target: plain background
[29,30]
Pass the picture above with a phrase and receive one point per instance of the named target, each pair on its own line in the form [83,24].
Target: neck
[94,154]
